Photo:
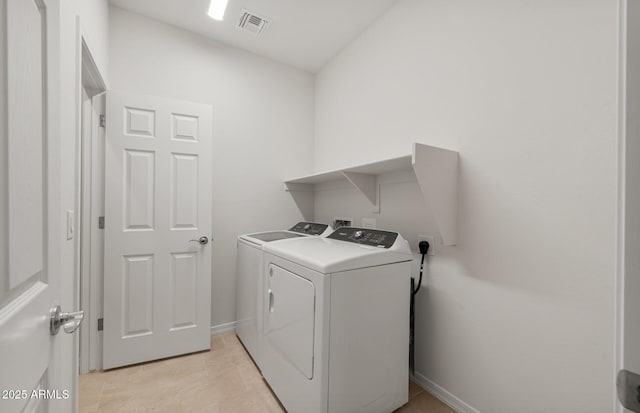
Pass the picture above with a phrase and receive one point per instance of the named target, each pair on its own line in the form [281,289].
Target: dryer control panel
[365,236]
[310,228]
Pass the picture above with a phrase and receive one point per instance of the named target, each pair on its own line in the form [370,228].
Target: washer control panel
[310,228]
[365,236]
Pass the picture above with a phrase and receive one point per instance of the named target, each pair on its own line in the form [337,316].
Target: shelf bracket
[367,185]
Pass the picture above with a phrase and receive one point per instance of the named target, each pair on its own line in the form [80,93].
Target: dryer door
[289,322]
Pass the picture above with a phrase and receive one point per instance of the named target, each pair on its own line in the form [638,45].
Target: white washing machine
[249,280]
[336,322]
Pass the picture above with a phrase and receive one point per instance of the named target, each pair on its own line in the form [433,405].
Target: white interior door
[157,280]
[30,358]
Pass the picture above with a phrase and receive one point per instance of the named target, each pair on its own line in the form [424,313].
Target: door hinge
[103,121]
[100,222]
[100,324]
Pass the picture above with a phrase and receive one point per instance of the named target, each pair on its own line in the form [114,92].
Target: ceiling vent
[253,23]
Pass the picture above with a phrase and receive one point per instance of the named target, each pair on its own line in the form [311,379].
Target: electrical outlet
[432,243]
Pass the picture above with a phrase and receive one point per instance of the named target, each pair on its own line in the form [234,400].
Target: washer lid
[327,255]
[262,238]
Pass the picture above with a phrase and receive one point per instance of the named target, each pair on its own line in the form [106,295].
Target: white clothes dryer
[249,280]
[336,322]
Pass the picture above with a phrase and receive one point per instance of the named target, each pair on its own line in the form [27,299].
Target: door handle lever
[68,321]
[628,386]
[202,240]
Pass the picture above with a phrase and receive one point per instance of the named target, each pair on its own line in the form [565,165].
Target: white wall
[263,127]
[94,21]
[519,316]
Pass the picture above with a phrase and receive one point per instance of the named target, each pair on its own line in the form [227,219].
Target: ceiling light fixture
[217,8]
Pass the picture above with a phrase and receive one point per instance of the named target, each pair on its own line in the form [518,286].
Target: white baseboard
[223,328]
[447,398]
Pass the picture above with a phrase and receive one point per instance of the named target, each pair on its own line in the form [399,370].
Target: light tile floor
[223,380]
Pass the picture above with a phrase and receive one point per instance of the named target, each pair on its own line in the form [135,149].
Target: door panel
[139,122]
[184,127]
[25,148]
[184,300]
[184,191]
[139,196]
[24,331]
[138,295]
[157,200]
[290,318]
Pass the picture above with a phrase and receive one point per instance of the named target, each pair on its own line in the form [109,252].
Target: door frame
[87,185]
[627,278]
[620,201]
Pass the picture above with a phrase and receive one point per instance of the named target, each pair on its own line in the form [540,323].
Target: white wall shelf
[436,170]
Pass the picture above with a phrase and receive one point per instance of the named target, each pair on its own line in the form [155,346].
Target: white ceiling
[302,33]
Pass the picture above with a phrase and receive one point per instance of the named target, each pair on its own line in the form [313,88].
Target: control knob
[358,234]
[306,227]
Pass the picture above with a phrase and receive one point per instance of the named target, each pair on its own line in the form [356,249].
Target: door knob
[202,240]
[69,321]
